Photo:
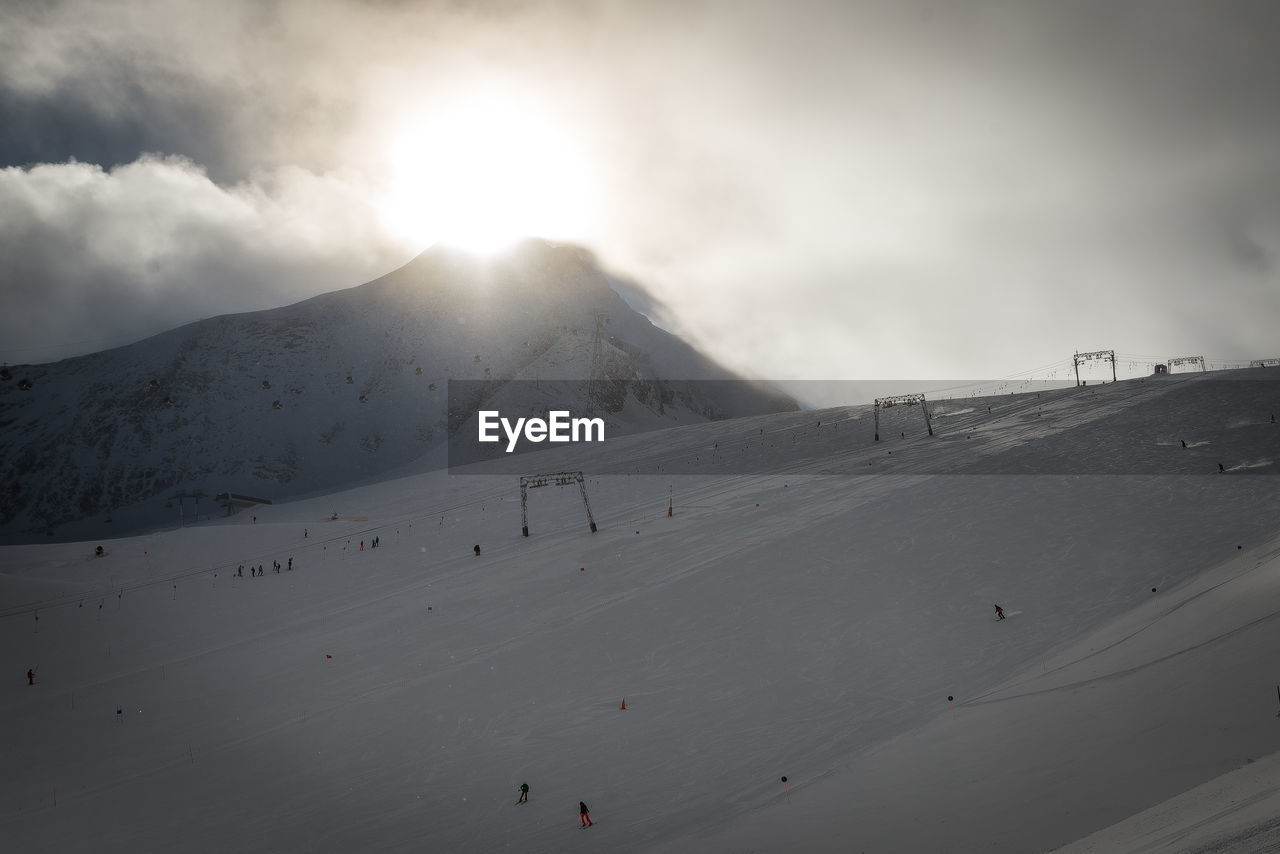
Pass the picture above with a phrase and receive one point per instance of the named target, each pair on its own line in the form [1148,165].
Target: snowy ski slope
[796,615]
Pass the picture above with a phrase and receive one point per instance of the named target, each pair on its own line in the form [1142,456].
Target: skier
[290,564]
[524,793]
[31,676]
[476,549]
[582,810]
[999,613]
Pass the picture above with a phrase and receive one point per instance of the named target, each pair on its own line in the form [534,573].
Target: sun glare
[483,174]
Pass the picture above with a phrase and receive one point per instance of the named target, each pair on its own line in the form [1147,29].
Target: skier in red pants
[582,810]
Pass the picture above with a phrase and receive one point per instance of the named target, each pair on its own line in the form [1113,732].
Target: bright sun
[484,173]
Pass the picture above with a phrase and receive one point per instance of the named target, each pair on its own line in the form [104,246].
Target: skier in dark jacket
[524,793]
[582,810]
[999,613]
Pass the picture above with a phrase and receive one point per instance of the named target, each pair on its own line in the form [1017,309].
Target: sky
[808,190]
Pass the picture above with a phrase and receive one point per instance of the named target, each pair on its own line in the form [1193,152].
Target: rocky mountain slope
[343,388]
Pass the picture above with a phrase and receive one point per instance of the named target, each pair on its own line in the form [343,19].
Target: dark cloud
[72,125]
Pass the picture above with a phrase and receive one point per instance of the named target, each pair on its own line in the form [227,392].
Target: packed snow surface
[832,623]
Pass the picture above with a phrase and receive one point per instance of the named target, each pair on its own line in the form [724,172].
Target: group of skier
[255,571]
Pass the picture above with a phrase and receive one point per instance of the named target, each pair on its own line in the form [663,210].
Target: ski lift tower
[595,406]
[1187,360]
[559,478]
[901,400]
[1104,355]
[182,516]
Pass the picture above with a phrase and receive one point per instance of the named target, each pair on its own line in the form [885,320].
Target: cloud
[914,188]
[968,188]
[97,258]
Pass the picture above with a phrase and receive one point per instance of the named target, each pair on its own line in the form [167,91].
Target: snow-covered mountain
[831,628]
[339,389]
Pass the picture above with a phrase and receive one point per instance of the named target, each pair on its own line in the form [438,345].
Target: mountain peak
[342,388]
[528,270]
